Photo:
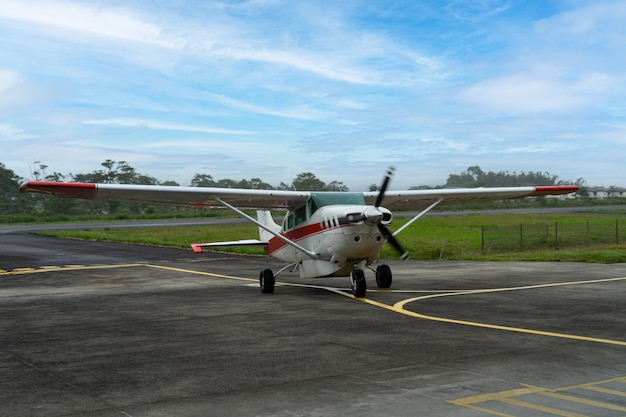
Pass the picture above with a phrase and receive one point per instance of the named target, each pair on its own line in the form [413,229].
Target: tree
[307,181]
[116,173]
[476,177]
[10,202]
[336,186]
[38,171]
[254,184]
[202,180]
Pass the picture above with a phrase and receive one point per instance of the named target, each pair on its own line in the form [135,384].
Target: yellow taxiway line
[398,307]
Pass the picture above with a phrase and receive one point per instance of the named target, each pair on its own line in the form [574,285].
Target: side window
[312,206]
[288,223]
[300,215]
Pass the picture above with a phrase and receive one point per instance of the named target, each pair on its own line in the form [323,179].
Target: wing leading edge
[201,197]
[407,200]
[198,197]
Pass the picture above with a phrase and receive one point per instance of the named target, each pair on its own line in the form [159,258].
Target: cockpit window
[328,199]
[288,223]
[300,215]
[318,200]
[294,218]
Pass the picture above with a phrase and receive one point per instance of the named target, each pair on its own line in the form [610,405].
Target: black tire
[267,281]
[383,276]
[359,286]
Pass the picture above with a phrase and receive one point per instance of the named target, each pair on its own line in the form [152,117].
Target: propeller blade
[383,187]
[393,241]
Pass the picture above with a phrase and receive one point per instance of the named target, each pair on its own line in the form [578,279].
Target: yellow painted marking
[510,397]
[584,401]
[594,386]
[25,271]
[606,391]
[495,396]
[399,308]
[210,274]
[541,408]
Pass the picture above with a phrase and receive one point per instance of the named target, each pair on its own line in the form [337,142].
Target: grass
[44,217]
[451,238]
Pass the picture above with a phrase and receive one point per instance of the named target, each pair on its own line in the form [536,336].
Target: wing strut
[309,253]
[426,210]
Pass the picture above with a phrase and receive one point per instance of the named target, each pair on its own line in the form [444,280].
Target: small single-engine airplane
[323,234]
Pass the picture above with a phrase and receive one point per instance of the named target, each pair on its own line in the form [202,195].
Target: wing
[407,200]
[198,197]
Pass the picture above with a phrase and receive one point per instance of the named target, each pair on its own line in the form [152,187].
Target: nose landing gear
[357,280]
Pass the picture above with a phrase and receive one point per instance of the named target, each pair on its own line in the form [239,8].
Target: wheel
[383,276]
[267,281]
[359,287]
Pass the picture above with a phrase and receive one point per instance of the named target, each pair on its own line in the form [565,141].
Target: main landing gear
[267,281]
[359,286]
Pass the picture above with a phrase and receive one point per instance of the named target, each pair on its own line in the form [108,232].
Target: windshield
[328,199]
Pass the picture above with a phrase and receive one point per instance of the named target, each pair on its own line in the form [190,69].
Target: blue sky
[274,88]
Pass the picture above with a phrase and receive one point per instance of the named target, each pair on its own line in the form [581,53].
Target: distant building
[603,192]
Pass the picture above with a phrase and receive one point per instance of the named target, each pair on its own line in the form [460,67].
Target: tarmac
[108,329]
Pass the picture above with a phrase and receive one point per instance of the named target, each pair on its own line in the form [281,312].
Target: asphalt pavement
[108,329]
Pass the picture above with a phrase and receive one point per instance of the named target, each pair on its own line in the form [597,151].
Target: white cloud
[90,20]
[535,92]
[8,79]
[565,63]
[157,125]
[298,112]
[598,20]
[473,10]
[240,41]
[11,132]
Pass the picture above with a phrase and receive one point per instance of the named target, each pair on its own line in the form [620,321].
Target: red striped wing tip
[62,189]
[556,189]
[196,247]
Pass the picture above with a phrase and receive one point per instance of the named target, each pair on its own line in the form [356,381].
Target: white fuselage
[341,236]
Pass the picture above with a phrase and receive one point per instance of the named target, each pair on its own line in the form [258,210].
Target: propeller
[383,187]
[404,254]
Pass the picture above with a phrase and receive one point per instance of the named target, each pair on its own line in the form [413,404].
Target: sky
[343,89]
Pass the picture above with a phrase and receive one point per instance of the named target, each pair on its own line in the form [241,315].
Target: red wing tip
[61,189]
[53,184]
[197,248]
[557,189]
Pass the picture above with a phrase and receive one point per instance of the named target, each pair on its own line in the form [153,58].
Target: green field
[430,238]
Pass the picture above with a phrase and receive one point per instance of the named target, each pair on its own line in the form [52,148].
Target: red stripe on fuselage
[276,244]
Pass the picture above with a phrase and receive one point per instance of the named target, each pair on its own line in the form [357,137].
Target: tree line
[120,172]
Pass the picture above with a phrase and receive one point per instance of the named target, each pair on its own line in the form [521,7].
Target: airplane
[323,234]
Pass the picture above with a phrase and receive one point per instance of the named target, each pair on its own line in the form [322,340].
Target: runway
[105,329]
